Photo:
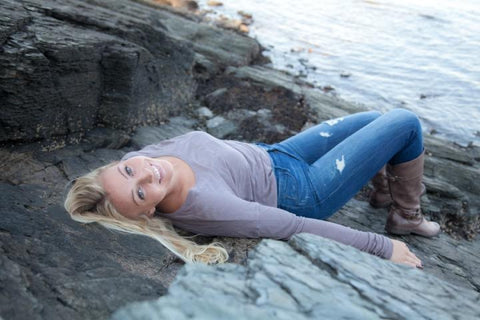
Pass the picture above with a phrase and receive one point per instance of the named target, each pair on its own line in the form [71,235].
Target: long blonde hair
[86,202]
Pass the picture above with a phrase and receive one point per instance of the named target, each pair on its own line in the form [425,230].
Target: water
[419,55]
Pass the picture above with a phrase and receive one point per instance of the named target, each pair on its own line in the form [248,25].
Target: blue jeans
[321,168]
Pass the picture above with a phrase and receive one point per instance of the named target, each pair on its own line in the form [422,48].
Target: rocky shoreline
[83,82]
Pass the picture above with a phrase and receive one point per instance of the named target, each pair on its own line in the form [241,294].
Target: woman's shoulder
[171,146]
[188,138]
[199,135]
[176,139]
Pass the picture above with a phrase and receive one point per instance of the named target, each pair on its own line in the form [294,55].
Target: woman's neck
[184,180]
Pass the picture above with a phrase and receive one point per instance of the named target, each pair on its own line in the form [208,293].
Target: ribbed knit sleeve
[227,215]
[370,242]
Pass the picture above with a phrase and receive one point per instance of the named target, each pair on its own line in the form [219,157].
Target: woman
[228,188]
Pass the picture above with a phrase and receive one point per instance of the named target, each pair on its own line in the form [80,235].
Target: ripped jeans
[320,169]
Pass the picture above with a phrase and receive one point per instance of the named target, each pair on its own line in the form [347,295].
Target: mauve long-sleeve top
[235,195]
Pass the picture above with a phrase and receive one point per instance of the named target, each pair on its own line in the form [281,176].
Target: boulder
[71,66]
[307,278]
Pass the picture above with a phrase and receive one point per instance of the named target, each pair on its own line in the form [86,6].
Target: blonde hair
[86,202]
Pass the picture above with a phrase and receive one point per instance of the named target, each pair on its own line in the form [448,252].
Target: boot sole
[406,232]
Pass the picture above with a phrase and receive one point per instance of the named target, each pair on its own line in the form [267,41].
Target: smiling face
[137,185]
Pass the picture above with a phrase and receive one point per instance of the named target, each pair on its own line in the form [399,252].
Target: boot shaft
[405,181]
[406,187]
[380,195]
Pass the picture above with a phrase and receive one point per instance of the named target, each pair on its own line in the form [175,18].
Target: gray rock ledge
[307,278]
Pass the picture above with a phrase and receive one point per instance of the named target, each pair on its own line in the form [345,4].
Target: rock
[182,4]
[307,278]
[64,270]
[254,89]
[19,168]
[448,150]
[204,113]
[222,48]
[106,138]
[239,115]
[450,259]
[232,24]
[247,18]
[214,3]
[69,67]
[328,88]
[221,127]
[268,77]
[464,178]
[150,135]
[214,96]
[245,15]
[204,67]
[243,28]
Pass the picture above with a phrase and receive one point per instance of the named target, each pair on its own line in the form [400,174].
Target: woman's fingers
[415,262]
[418,262]
[411,262]
[401,254]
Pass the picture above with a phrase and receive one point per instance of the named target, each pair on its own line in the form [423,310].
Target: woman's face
[137,185]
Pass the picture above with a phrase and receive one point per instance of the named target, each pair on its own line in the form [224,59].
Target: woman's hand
[401,254]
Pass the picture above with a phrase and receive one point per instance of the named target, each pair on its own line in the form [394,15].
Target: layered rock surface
[307,278]
[70,66]
[95,73]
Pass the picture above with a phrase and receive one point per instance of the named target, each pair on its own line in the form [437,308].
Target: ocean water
[420,55]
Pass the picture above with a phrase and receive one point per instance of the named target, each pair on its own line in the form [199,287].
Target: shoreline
[305,59]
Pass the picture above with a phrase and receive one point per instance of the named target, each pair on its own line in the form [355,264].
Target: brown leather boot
[405,217]
[380,195]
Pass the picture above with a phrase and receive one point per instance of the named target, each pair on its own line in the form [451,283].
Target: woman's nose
[146,175]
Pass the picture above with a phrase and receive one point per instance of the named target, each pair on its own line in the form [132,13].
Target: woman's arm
[224,214]
[394,250]
[370,242]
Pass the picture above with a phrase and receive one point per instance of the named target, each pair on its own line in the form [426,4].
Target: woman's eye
[128,170]
[140,193]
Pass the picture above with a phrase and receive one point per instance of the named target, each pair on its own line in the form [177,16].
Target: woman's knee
[409,126]
[372,115]
[406,117]
[360,119]
[404,114]
[375,113]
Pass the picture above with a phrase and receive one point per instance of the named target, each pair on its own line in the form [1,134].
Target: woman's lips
[162,172]
[157,173]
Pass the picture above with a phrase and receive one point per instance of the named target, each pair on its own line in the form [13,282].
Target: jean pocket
[293,189]
[287,185]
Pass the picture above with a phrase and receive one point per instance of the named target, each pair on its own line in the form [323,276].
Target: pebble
[204,112]
[213,3]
